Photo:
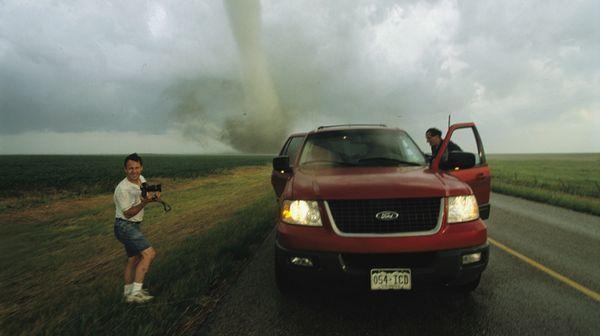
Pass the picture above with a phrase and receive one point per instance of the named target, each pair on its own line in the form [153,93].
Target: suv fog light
[305,262]
[471,258]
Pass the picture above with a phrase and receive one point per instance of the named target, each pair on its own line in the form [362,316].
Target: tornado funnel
[262,127]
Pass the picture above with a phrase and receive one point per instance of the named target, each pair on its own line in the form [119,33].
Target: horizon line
[240,153]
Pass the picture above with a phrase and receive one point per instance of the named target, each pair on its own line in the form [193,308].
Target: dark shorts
[129,234]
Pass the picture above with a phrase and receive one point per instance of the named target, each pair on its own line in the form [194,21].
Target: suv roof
[347,126]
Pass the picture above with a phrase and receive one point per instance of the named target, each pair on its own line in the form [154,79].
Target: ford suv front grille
[385,216]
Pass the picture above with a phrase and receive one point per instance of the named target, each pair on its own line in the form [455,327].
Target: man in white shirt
[129,214]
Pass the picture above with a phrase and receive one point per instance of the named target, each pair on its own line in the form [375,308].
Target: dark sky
[117,77]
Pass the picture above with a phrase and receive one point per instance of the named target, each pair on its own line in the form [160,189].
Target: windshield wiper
[327,162]
[390,160]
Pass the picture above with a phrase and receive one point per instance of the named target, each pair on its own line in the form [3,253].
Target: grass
[568,180]
[62,267]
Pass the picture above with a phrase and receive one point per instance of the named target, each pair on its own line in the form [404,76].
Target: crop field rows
[568,180]
[38,179]
[92,174]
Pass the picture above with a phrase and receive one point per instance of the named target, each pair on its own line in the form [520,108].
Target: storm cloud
[526,73]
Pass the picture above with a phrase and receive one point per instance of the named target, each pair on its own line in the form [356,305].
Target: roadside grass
[62,267]
[568,180]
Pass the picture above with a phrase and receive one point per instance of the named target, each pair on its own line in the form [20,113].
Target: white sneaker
[143,290]
[139,297]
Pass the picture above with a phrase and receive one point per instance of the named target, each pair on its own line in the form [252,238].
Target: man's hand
[151,197]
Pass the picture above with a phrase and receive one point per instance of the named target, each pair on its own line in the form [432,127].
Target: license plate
[390,278]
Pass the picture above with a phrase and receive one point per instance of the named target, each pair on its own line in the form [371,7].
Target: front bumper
[427,268]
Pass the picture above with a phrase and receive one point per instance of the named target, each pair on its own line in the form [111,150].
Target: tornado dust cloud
[263,126]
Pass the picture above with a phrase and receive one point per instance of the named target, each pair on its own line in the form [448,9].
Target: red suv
[363,204]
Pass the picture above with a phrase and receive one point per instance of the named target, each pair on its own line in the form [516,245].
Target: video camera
[149,188]
[145,188]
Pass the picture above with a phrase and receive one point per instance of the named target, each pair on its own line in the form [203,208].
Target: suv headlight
[462,209]
[301,213]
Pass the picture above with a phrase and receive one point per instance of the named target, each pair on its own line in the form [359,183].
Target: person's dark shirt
[452,147]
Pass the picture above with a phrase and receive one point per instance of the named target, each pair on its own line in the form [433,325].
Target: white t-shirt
[126,195]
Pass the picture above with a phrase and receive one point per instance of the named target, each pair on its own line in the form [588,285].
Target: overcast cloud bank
[171,73]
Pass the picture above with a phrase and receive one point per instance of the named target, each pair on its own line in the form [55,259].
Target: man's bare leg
[144,264]
[130,267]
[129,274]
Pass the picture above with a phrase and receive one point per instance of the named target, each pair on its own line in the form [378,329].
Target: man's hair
[434,131]
[133,157]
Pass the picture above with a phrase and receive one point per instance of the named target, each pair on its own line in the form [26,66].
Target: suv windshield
[361,147]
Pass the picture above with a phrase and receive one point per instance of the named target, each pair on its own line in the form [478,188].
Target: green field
[567,180]
[37,179]
[61,267]
[92,174]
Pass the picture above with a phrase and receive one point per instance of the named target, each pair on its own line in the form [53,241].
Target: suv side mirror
[461,160]
[282,164]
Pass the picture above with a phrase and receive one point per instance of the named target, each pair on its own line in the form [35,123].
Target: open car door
[468,165]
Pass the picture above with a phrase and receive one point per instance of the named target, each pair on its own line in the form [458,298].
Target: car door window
[467,141]
[292,148]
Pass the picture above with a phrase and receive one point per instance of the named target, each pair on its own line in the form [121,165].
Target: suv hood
[374,183]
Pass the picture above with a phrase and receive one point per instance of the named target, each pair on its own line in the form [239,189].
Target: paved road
[513,298]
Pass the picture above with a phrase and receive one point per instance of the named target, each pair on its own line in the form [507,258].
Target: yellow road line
[594,295]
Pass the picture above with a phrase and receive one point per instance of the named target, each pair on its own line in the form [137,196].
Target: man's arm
[134,210]
[138,207]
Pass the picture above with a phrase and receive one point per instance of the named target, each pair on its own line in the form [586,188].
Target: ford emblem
[387,215]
